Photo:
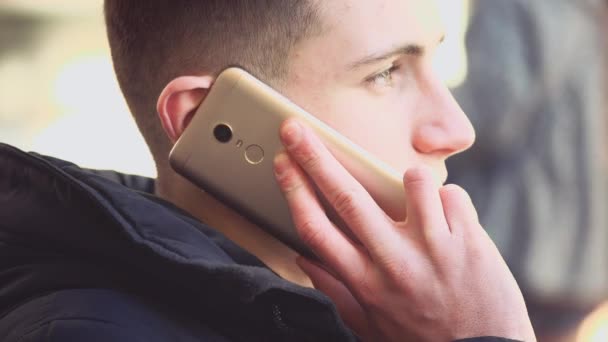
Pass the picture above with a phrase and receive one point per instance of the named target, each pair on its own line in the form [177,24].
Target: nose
[443,128]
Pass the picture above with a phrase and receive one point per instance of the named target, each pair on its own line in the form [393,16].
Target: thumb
[349,309]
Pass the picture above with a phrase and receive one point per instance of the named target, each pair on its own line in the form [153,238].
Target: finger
[424,207]
[314,228]
[349,309]
[346,195]
[458,208]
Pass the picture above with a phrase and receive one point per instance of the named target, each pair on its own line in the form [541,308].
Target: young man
[90,259]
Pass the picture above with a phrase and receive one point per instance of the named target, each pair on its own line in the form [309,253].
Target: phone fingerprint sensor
[254,154]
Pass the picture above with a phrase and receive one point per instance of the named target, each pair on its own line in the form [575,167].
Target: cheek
[380,126]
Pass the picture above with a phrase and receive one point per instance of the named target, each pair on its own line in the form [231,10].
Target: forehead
[406,18]
[357,28]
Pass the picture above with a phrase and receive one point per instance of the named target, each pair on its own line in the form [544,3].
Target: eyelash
[388,73]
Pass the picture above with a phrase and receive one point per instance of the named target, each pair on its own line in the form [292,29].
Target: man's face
[370,76]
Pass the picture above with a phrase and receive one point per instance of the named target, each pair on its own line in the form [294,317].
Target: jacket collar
[90,216]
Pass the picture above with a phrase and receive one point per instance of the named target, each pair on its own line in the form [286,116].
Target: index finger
[343,192]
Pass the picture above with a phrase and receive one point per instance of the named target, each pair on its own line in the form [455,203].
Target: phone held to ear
[229,147]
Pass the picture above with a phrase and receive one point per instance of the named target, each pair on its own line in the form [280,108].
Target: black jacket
[94,256]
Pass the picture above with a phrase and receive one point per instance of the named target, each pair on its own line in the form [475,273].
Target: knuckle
[416,184]
[476,253]
[290,182]
[474,231]
[396,277]
[478,245]
[401,274]
[366,293]
[308,157]
[345,202]
[311,233]
[294,188]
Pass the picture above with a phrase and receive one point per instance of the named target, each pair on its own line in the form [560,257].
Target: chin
[444,176]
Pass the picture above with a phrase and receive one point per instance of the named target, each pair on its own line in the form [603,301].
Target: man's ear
[178,102]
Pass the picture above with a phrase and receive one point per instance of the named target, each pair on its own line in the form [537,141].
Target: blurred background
[531,75]
[59,95]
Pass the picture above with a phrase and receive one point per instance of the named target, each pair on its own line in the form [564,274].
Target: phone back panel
[233,173]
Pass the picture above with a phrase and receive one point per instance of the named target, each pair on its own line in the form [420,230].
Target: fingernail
[281,164]
[291,133]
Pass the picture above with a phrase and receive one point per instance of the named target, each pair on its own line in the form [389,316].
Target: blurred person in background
[537,173]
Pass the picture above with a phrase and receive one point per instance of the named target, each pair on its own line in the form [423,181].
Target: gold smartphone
[229,146]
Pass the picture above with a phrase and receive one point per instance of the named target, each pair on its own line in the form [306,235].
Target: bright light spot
[87,84]
[595,327]
[451,58]
[97,130]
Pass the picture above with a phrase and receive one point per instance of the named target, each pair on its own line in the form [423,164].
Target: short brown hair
[154,41]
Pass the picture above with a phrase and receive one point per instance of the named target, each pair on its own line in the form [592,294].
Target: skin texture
[408,118]
[436,276]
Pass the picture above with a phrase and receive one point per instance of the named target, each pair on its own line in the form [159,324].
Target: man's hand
[437,276]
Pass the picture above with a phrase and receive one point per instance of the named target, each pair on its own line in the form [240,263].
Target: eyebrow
[414,50]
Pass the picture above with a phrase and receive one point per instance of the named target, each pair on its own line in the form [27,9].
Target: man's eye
[384,78]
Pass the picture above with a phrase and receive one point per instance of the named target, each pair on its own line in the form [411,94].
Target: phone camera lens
[223,133]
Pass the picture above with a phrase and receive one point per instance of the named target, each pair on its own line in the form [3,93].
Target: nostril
[444,139]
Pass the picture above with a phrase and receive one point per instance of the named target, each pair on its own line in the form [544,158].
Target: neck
[276,255]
